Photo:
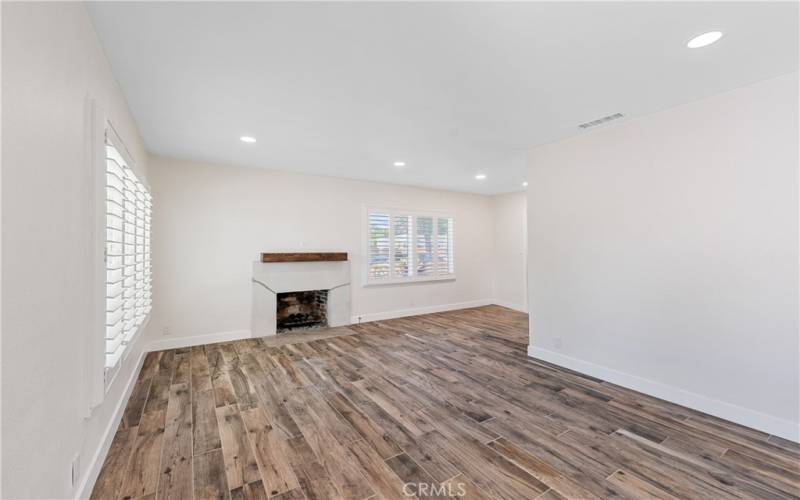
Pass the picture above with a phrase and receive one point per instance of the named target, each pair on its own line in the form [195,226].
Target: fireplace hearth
[304,310]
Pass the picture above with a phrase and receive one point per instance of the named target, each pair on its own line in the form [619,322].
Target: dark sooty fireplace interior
[302,310]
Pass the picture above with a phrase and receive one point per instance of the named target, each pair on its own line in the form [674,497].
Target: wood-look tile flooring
[446,400]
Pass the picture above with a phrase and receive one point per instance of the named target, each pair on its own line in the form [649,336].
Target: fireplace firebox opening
[306,310]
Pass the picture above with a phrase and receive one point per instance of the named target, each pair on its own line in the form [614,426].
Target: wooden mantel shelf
[304,257]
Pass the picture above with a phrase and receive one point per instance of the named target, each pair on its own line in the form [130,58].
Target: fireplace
[306,310]
[300,291]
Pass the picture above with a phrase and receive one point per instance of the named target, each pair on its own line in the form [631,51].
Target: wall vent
[600,121]
[76,471]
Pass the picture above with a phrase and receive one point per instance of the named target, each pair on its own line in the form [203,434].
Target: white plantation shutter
[127,252]
[444,245]
[402,237]
[379,245]
[424,247]
[406,246]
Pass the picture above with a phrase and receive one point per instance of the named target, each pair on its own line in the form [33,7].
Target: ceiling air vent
[600,121]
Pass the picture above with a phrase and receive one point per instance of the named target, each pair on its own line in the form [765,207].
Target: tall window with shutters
[127,253]
[405,245]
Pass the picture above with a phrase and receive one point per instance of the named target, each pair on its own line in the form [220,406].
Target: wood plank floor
[419,407]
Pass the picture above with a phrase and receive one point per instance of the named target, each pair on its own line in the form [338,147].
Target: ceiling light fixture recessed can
[704,39]
[247,138]
[525,184]
[480,177]
[399,164]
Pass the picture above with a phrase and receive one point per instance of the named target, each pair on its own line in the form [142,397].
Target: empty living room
[287,250]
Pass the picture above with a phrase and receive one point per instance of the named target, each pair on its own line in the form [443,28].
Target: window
[127,252]
[407,246]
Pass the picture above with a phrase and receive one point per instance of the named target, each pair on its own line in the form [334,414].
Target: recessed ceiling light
[525,184]
[480,177]
[704,39]
[399,164]
[247,138]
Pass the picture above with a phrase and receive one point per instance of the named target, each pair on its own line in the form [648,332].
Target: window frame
[392,212]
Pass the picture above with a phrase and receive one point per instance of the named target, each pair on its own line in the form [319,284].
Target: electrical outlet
[558,343]
[76,471]
[167,330]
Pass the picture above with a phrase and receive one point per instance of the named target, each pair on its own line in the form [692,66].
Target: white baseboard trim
[751,418]
[511,305]
[401,313]
[93,472]
[211,338]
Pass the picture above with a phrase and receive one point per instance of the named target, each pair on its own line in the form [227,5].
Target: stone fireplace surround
[272,278]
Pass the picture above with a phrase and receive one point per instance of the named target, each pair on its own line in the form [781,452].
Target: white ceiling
[452,89]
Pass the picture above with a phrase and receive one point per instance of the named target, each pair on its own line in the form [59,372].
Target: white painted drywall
[663,254]
[211,222]
[510,230]
[344,89]
[51,61]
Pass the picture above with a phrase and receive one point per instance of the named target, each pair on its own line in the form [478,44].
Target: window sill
[408,281]
[108,382]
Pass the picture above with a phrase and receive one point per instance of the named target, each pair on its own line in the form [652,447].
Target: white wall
[663,254]
[51,61]
[211,222]
[510,239]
